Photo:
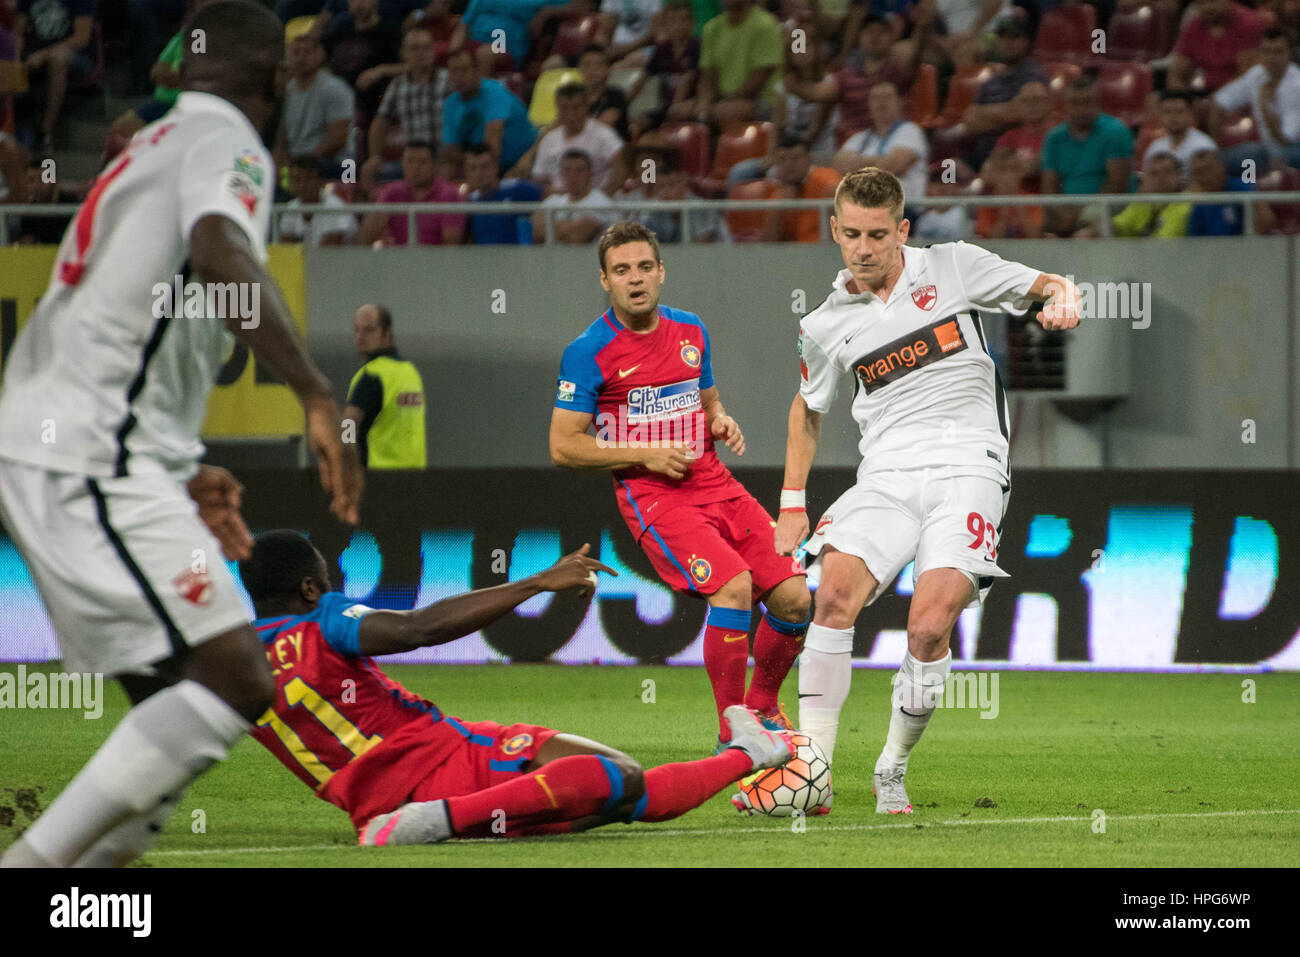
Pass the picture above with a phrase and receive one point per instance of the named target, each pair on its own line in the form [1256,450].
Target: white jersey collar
[913,267]
[197,102]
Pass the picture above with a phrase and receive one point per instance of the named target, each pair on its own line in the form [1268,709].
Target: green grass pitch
[1185,772]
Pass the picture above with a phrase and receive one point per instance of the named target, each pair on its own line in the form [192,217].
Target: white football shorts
[942,518]
[127,570]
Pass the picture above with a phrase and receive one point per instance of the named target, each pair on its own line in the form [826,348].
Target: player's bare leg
[726,646]
[777,643]
[574,784]
[150,758]
[940,596]
[826,668]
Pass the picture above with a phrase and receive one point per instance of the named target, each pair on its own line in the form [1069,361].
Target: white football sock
[162,744]
[131,838]
[917,688]
[825,672]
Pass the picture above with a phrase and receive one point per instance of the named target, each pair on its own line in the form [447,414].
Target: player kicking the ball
[934,478]
[407,773]
[643,374]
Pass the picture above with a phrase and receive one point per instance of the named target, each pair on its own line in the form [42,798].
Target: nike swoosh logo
[728,638]
[816,695]
[623,375]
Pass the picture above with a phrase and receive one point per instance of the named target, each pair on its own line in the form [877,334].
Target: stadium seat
[1237,129]
[949,142]
[1141,34]
[1059,76]
[516,84]
[691,140]
[541,110]
[1065,34]
[1124,86]
[962,89]
[746,225]
[740,141]
[923,98]
[575,34]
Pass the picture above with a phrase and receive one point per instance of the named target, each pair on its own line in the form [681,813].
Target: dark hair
[1185,95]
[680,5]
[243,44]
[791,141]
[576,153]
[594,48]
[873,19]
[421,145]
[1275,33]
[383,315]
[1084,81]
[570,89]
[622,233]
[280,561]
[477,149]
[312,162]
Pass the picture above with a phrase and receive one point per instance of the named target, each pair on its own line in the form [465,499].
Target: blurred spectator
[740,63]
[869,63]
[1162,173]
[606,103]
[994,110]
[413,100]
[1218,42]
[318,107]
[968,19]
[13,170]
[1181,138]
[575,129]
[673,67]
[419,184]
[797,178]
[671,183]
[487,186]
[1033,108]
[1287,13]
[385,396]
[53,38]
[43,189]
[482,110]
[364,51]
[892,143]
[1207,175]
[518,21]
[626,28]
[939,223]
[579,225]
[308,185]
[1090,152]
[144,16]
[702,12]
[812,121]
[1271,89]
[402,14]
[1003,175]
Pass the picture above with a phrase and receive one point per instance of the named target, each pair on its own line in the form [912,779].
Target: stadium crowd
[601,105]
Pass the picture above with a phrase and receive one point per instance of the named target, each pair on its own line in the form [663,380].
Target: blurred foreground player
[103,399]
[643,374]
[408,774]
[934,479]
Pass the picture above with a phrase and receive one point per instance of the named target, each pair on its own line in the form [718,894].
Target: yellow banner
[244,402]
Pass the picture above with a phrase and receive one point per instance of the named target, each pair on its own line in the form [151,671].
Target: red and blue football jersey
[332,706]
[644,388]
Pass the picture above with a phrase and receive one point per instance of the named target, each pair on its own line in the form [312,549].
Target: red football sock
[774,655]
[673,789]
[726,658]
[564,789]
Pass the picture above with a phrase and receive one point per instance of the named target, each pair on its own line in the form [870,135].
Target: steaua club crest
[924,297]
[700,570]
[516,744]
[194,587]
[690,354]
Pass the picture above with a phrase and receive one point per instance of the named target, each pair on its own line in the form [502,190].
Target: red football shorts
[699,548]
[426,762]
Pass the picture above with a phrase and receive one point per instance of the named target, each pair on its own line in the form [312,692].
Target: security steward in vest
[386,397]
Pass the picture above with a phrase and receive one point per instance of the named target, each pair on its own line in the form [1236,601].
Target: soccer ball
[802,784]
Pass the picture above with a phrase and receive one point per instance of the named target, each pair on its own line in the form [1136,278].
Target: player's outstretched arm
[804,430]
[220,252]
[573,447]
[390,632]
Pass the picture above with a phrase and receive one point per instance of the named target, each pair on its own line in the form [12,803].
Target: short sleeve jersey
[645,387]
[112,354]
[332,705]
[926,391]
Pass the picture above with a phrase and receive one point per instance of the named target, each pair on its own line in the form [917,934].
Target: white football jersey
[103,380]
[927,393]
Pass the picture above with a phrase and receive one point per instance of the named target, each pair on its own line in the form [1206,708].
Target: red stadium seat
[1140,34]
[1059,77]
[691,140]
[949,142]
[741,141]
[575,34]
[746,226]
[1065,34]
[1124,87]
[923,98]
[962,89]
[1238,129]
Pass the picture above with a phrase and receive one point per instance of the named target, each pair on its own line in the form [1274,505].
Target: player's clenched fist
[574,570]
[1061,311]
[673,461]
[791,531]
[725,429]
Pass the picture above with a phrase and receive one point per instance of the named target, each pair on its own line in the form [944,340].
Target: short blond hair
[871,188]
